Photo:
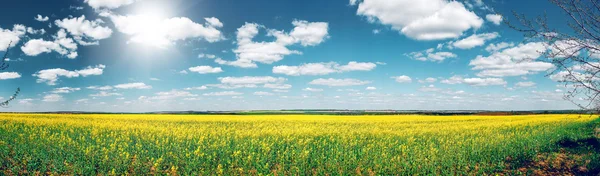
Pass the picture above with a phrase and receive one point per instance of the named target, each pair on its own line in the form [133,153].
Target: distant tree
[3,66]
[574,49]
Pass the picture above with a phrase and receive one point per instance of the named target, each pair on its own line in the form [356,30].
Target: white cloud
[312,89]
[371,88]
[83,100]
[215,22]
[428,80]
[323,68]
[232,86]
[205,69]
[237,63]
[197,88]
[309,33]
[96,70]
[430,88]
[250,80]
[210,56]
[278,86]
[249,52]
[430,55]
[423,19]
[453,80]
[224,93]
[154,79]
[50,76]
[41,18]
[162,33]
[338,82]
[574,76]
[65,90]
[26,101]
[172,95]
[82,29]
[9,75]
[61,44]
[100,88]
[402,79]
[108,4]
[11,36]
[137,85]
[515,61]
[30,30]
[474,81]
[105,94]
[525,84]
[475,40]
[484,81]
[261,93]
[494,18]
[492,48]
[52,98]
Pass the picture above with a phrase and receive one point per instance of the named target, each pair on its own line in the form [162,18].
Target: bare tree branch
[4,66]
[575,53]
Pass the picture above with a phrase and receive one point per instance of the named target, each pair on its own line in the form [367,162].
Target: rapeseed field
[143,144]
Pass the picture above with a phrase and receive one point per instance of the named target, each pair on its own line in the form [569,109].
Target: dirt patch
[561,163]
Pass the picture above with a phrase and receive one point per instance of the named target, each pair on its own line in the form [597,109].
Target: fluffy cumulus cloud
[11,36]
[249,52]
[105,94]
[108,4]
[263,93]
[338,82]
[323,68]
[474,40]
[525,84]
[85,32]
[431,55]
[250,80]
[223,93]
[65,90]
[205,69]
[474,81]
[173,94]
[430,88]
[136,85]
[9,75]
[51,76]
[161,33]
[312,89]
[52,98]
[402,79]
[196,88]
[428,80]
[277,86]
[100,87]
[484,81]
[423,19]
[41,18]
[515,61]
[492,48]
[494,18]
[62,45]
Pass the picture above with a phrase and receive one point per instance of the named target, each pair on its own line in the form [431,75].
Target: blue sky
[152,55]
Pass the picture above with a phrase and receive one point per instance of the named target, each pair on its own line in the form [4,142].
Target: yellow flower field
[278,144]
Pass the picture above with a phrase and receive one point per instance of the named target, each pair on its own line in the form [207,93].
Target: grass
[284,144]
